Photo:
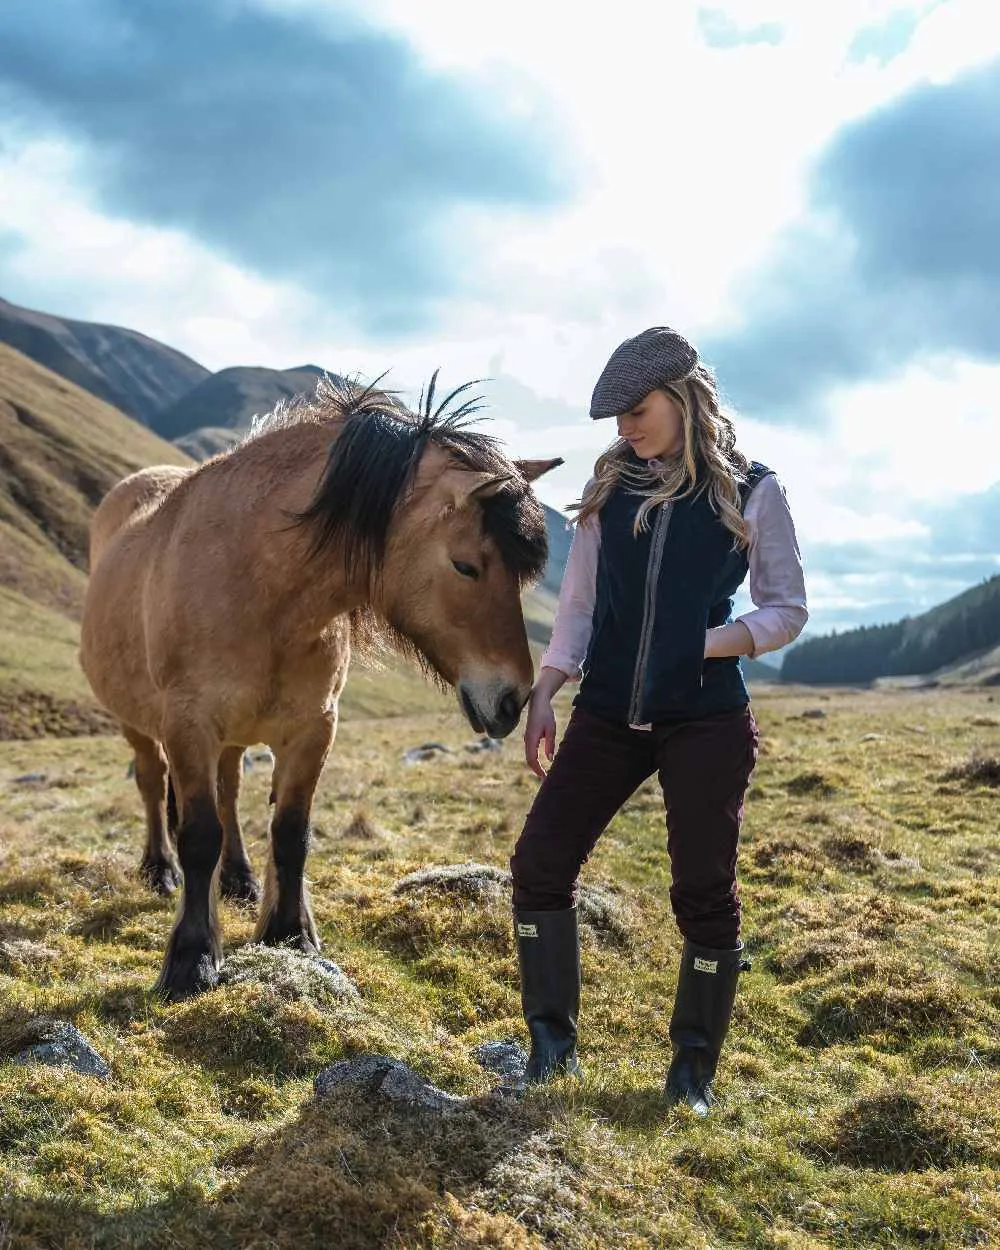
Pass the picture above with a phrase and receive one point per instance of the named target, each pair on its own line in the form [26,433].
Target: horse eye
[467,570]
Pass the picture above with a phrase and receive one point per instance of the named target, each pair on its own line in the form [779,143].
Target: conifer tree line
[948,634]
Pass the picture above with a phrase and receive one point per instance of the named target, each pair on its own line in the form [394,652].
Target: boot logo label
[706,965]
[527,930]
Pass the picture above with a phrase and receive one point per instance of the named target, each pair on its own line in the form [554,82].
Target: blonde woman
[672,522]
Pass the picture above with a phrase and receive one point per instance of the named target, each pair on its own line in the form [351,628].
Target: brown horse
[223,603]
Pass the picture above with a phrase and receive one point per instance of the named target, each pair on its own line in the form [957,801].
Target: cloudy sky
[810,192]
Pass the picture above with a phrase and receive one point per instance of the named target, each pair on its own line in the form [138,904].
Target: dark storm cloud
[324,153]
[719,30]
[898,258]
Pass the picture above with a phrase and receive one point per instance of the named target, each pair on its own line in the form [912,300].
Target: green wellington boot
[548,950]
[706,992]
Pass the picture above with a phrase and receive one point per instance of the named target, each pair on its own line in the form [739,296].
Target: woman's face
[654,427]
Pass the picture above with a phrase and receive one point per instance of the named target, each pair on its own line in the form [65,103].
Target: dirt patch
[782,860]
[28,714]
[362,828]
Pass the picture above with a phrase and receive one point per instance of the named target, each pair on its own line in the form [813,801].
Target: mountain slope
[136,374]
[953,633]
[61,449]
[231,397]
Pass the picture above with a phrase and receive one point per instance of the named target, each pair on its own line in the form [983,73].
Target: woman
[670,525]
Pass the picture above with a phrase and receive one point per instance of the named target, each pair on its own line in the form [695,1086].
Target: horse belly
[113,651]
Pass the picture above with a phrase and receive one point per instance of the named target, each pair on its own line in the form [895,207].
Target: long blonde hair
[709,462]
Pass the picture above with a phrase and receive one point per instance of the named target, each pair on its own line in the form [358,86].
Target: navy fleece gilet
[657,592]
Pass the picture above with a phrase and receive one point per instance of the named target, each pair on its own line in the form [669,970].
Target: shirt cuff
[562,662]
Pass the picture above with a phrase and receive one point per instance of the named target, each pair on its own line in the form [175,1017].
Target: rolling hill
[953,642]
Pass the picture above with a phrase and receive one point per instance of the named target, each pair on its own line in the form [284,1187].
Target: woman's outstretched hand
[539,727]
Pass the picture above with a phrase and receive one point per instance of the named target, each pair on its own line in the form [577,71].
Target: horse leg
[236,880]
[285,913]
[158,867]
[194,951]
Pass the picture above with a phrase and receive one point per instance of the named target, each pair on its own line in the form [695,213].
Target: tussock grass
[978,770]
[254,1029]
[910,1129]
[857,1097]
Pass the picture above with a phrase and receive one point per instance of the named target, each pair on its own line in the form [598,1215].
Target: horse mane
[372,463]
[370,469]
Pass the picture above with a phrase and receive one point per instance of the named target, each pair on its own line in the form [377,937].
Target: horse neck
[307,589]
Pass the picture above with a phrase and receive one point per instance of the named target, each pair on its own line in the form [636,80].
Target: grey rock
[425,751]
[507,1059]
[65,1046]
[263,756]
[30,779]
[484,744]
[607,915]
[813,713]
[485,882]
[387,1077]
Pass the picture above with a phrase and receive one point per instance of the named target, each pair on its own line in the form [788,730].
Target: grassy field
[859,1099]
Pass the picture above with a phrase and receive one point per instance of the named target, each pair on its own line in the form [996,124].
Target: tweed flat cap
[639,365]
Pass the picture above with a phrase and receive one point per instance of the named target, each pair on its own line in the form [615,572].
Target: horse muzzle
[493,710]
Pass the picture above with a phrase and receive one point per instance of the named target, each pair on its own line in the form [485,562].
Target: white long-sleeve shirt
[777,586]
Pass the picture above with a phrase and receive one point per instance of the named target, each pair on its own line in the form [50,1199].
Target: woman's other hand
[540,725]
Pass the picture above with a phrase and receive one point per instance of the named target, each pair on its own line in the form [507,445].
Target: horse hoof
[237,882]
[185,975]
[161,875]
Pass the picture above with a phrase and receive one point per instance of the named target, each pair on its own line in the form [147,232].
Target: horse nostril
[510,707]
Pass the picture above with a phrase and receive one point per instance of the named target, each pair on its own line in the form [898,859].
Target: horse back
[134,497]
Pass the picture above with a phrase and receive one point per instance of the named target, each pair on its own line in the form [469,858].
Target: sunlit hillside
[60,451]
[859,1099]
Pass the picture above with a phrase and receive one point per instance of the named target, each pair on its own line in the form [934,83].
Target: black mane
[371,466]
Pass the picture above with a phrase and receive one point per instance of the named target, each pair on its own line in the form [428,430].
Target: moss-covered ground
[859,1094]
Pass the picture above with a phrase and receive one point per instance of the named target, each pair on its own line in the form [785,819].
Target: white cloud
[695,159]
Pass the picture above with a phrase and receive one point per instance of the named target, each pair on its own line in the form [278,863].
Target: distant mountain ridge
[232,397]
[135,374]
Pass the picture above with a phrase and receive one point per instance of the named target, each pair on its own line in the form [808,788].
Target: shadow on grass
[354,1170]
[628,1109]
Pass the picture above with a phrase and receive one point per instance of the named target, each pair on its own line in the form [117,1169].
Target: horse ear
[462,486]
[531,470]
[491,486]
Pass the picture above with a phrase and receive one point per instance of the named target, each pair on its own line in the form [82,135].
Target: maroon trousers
[704,769]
